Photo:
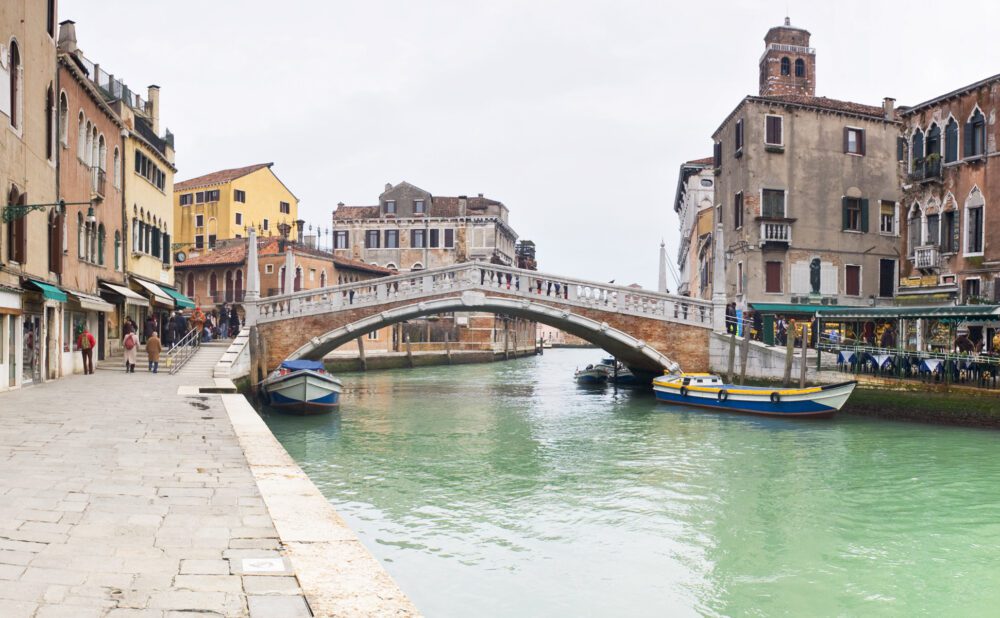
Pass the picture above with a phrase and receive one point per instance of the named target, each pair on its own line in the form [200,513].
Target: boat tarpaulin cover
[297,365]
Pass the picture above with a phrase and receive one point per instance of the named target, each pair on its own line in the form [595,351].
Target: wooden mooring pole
[802,365]
[789,354]
[409,352]
[361,353]
[447,346]
[732,358]
[744,354]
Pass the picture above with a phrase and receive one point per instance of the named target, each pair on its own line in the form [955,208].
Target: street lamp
[90,215]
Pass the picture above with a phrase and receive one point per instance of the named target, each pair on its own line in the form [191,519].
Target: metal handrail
[183,350]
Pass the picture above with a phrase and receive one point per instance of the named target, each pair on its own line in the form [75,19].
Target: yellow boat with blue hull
[705,390]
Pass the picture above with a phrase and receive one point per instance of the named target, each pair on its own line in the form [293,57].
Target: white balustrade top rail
[481,276]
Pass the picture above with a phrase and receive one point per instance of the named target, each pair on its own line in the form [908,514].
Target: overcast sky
[575,114]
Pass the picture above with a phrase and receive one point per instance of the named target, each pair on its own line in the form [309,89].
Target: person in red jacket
[85,341]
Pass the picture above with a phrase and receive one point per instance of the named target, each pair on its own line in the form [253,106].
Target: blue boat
[708,391]
[302,387]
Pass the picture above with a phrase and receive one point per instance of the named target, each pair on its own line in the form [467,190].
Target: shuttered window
[738,210]
[772,277]
[717,155]
[774,203]
[372,239]
[773,131]
[449,238]
[392,239]
[417,239]
[738,145]
[853,280]
[855,213]
[854,141]
[951,141]
[975,135]
[435,238]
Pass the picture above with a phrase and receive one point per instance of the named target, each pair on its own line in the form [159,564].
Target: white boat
[593,374]
[303,387]
[705,390]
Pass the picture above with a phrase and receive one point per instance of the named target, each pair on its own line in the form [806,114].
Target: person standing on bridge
[234,322]
[731,318]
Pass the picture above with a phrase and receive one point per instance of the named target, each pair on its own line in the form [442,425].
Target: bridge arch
[635,353]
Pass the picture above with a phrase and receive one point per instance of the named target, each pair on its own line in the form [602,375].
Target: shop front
[161,305]
[127,303]
[10,337]
[84,311]
[41,331]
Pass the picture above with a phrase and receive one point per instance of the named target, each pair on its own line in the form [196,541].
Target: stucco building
[951,184]
[807,189]
[220,206]
[693,203]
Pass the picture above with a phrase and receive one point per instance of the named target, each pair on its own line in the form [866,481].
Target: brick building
[951,187]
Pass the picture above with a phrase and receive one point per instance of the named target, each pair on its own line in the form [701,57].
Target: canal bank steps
[120,497]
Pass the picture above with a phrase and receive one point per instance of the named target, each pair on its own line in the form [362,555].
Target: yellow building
[222,205]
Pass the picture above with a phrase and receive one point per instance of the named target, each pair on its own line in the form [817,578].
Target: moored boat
[302,387]
[593,374]
[704,390]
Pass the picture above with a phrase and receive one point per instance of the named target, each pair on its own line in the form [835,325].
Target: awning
[790,308]
[10,300]
[92,303]
[183,302]
[131,298]
[156,293]
[48,290]
[910,312]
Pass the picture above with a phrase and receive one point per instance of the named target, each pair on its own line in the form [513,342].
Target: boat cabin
[696,379]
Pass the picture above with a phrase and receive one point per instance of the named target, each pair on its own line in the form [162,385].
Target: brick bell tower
[788,65]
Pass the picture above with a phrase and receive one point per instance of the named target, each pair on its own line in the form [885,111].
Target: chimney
[340,204]
[388,186]
[889,107]
[463,203]
[299,224]
[480,195]
[67,36]
[153,107]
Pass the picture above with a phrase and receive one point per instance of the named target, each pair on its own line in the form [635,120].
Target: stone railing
[480,276]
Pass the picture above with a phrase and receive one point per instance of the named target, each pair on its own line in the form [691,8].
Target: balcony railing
[99,179]
[775,232]
[926,169]
[927,257]
[782,47]
[228,296]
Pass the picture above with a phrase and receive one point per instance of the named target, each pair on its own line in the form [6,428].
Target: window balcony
[775,232]
[99,179]
[926,170]
[229,296]
[927,257]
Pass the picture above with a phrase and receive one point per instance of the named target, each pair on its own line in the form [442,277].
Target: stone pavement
[120,498]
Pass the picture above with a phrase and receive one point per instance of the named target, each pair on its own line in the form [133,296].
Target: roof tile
[219,177]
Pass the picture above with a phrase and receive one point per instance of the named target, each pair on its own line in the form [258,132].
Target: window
[772,277]
[199,197]
[800,68]
[117,169]
[17,229]
[211,241]
[100,245]
[392,239]
[738,145]
[212,196]
[417,239]
[932,142]
[951,141]
[50,124]
[199,220]
[914,228]
[917,146]
[340,239]
[774,203]
[887,218]
[418,206]
[269,269]
[933,230]
[786,66]
[312,274]
[971,288]
[706,182]
[717,155]
[975,134]
[390,207]
[738,210]
[852,279]
[14,66]
[854,141]
[772,131]
[949,230]
[449,238]
[187,199]
[435,238]
[855,214]
[266,224]
[118,250]
[886,278]
[199,241]
[373,335]
[900,149]
[239,218]
[739,278]
[239,196]
[974,223]
[284,208]
[50,18]
[372,239]
[145,167]
[55,241]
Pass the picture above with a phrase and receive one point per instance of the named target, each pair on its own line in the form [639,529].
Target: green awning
[48,290]
[789,308]
[182,301]
[971,312]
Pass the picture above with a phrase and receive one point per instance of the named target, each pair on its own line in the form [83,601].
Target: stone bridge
[647,331]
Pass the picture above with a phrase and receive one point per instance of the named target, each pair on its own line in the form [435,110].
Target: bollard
[732,358]
[744,354]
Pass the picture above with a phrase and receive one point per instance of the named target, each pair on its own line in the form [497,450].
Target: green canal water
[506,490]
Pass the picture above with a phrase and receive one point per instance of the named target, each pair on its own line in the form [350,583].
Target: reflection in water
[506,490]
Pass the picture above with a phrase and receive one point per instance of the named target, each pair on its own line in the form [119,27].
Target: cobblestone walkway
[120,498]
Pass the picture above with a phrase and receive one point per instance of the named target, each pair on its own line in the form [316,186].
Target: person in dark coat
[150,327]
[234,322]
[170,332]
[889,337]
[182,327]
[731,318]
[758,325]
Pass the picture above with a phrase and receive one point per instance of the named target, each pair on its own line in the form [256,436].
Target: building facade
[31,314]
[951,186]
[807,189]
[693,203]
[221,205]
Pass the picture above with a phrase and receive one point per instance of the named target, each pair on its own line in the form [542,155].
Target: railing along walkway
[476,276]
[183,351]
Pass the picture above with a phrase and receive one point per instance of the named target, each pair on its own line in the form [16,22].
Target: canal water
[506,490]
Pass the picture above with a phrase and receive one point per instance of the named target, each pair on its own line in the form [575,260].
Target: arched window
[190,285]
[298,279]
[117,169]
[81,139]
[917,146]
[229,286]
[118,250]
[94,148]
[17,229]
[81,237]
[102,153]
[975,134]
[932,143]
[50,123]
[322,279]
[88,151]
[239,286]
[281,280]
[800,68]
[786,66]
[213,285]
[915,228]
[14,66]
[100,245]
[63,119]
[55,241]
[951,141]
[974,222]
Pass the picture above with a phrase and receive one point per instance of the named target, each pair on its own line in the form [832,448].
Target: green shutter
[845,222]
[970,134]
[864,215]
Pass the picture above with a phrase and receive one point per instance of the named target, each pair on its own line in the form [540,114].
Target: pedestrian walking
[234,321]
[153,349]
[85,341]
[181,325]
[150,328]
[131,344]
[170,332]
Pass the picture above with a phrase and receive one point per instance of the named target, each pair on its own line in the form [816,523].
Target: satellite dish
[180,256]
